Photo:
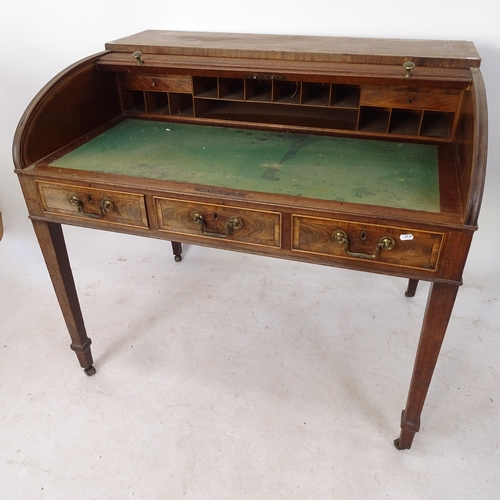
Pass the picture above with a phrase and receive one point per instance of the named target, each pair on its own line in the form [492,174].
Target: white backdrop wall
[38,39]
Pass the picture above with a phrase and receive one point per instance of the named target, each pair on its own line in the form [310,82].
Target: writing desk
[362,154]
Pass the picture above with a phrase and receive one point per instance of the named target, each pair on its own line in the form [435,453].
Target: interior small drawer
[93,204]
[387,98]
[205,220]
[170,83]
[368,242]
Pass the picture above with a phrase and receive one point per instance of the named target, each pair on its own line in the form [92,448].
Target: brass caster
[90,371]
[398,446]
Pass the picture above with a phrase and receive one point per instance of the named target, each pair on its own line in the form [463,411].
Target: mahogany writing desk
[355,153]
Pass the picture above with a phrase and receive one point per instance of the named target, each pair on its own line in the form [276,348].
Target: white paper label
[406,237]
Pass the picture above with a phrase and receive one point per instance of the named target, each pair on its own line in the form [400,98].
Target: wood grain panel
[408,100]
[414,249]
[128,209]
[458,54]
[169,83]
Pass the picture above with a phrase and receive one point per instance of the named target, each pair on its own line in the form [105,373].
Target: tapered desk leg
[177,250]
[437,315]
[51,239]
[412,288]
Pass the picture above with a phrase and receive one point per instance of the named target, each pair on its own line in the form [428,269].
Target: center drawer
[206,220]
[395,246]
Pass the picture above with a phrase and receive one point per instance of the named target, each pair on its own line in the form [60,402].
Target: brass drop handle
[232,224]
[385,243]
[408,66]
[105,205]
[137,56]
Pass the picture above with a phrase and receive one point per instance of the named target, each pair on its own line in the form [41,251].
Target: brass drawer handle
[385,243]
[233,223]
[105,205]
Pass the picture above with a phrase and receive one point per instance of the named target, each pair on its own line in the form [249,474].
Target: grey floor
[230,376]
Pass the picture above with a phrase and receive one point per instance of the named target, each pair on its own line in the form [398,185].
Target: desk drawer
[204,220]
[170,83]
[87,203]
[387,98]
[366,242]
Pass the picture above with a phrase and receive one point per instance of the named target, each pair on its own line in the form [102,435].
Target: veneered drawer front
[170,83]
[387,98]
[204,220]
[87,203]
[367,242]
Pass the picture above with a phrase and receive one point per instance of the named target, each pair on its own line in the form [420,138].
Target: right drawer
[395,246]
[405,99]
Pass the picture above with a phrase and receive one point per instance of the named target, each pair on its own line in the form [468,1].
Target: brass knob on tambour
[408,66]
[137,56]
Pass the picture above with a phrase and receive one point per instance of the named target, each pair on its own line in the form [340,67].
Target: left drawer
[91,204]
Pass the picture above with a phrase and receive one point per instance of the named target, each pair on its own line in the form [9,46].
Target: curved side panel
[75,102]
[479,148]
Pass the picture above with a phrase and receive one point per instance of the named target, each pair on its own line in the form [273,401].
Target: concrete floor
[230,376]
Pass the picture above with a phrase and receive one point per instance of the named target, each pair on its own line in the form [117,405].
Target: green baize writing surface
[373,172]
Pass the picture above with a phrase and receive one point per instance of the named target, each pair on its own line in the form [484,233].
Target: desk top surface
[440,53]
[392,174]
